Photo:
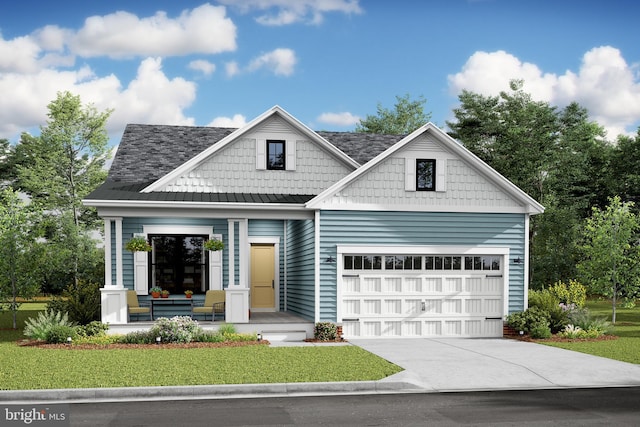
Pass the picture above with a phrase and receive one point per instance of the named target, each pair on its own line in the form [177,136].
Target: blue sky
[327,62]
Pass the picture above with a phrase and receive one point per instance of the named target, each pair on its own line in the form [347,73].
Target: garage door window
[415,262]
[363,262]
[482,263]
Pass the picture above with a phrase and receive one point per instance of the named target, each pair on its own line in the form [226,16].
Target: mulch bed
[44,345]
[556,338]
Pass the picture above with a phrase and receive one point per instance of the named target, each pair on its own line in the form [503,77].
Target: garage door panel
[392,285]
[392,306]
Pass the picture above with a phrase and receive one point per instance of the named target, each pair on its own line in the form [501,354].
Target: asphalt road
[568,407]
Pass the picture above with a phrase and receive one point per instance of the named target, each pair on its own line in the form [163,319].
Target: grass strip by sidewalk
[29,368]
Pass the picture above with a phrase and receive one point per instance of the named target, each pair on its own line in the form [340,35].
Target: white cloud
[281,61]
[151,97]
[339,119]
[204,29]
[19,55]
[205,67]
[237,121]
[231,68]
[605,84]
[292,11]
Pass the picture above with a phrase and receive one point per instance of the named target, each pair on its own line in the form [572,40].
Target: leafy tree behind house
[557,156]
[611,253]
[407,116]
[17,251]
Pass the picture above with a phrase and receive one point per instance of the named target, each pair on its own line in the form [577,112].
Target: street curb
[225,391]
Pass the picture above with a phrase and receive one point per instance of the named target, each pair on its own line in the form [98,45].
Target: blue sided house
[386,235]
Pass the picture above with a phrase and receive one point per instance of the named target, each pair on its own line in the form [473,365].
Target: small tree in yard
[17,248]
[611,252]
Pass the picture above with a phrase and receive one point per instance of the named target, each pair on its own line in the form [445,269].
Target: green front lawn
[39,368]
[626,348]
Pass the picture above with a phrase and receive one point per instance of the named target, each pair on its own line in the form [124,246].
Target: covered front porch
[268,267]
[271,326]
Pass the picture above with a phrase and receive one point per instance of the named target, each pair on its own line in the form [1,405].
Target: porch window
[178,263]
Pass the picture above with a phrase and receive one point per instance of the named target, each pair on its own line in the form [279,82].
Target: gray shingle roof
[148,152]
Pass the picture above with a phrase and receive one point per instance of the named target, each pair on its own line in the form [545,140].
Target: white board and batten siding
[429,300]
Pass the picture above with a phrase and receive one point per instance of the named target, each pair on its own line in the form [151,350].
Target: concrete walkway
[430,365]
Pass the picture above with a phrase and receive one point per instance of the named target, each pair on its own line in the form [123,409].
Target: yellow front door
[263,277]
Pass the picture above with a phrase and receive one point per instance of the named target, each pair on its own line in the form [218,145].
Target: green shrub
[575,332]
[58,334]
[102,339]
[93,329]
[39,327]
[137,337]
[209,336]
[586,321]
[526,320]
[325,331]
[546,301]
[540,331]
[81,302]
[573,294]
[227,329]
[178,329]
[226,333]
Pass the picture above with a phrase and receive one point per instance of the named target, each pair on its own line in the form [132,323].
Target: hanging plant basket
[138,244]
[213,245]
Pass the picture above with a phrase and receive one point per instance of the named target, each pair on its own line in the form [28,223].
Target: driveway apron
[458,364]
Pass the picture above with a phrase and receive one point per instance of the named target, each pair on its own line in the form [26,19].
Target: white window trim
[289,151]
[440,176]
[140,276]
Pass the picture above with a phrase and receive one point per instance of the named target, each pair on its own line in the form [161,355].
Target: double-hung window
[425,175]
[276,154]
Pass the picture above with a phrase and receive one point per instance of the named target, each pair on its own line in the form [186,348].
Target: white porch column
[237,294]
[113,297]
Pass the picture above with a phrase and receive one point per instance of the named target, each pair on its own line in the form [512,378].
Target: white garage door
[422,295]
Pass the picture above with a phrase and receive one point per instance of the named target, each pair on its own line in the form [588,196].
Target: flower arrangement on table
[165,293]
[155,291]
[138,244]
[213,245]
[188,293]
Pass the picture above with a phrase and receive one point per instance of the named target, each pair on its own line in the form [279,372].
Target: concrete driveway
[455,364]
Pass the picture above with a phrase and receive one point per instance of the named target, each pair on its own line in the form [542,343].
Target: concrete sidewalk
[430,365]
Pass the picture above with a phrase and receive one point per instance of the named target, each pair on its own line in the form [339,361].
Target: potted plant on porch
[165,293]
[213,245]
[138,244]
[188,293]
[155,292]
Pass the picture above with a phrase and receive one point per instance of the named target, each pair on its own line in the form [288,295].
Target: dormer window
[276,154]
[425,175]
